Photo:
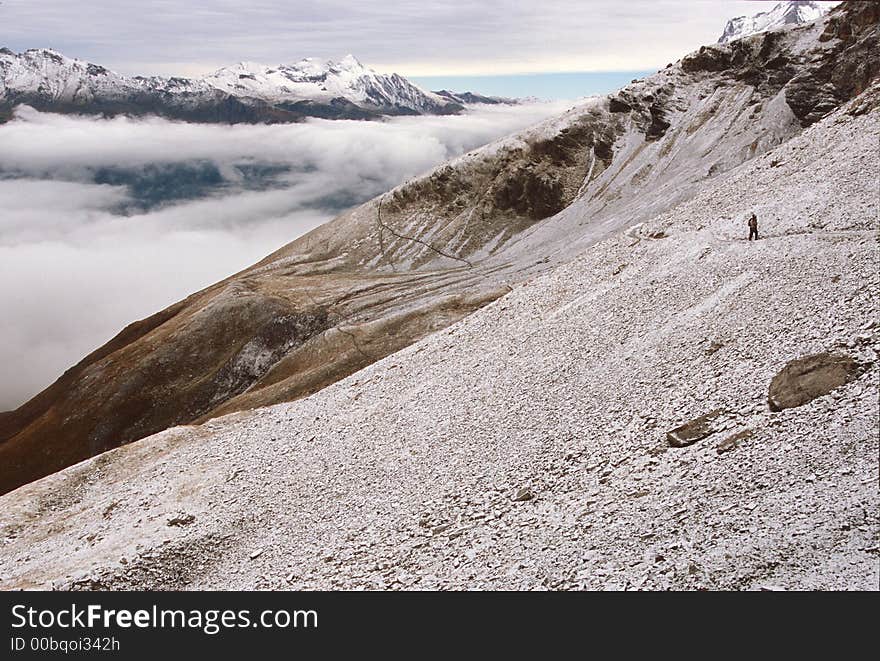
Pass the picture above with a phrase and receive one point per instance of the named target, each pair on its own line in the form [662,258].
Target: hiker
[753,227]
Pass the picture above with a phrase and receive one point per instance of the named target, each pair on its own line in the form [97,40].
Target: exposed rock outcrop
[821,86]
[804,379]
[696,429]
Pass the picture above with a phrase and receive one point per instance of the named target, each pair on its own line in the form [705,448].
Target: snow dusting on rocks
[526,446]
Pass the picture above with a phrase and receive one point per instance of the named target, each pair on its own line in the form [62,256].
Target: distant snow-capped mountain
[48,77]
[324,80]
[470,98]
[785,13]
[245,92]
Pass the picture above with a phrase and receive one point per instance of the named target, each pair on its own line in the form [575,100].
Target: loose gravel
[526,446]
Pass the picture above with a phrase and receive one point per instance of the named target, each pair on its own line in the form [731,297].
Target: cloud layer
[80,259]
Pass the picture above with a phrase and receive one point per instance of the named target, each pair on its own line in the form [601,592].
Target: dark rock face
[649,110]
[708,58]
[822,87]
[804,379]
[565,148]
[657,127]
[858,15]
[529,192]
[761,61]
[338,108]
[617,104]
[812,88]
[695,430]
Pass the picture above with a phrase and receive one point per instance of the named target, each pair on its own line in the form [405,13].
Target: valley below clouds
[105,221]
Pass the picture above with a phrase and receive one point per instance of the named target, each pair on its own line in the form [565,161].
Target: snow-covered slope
[59,77]
[51,81]
[794,12]
[526,447]
[433,250]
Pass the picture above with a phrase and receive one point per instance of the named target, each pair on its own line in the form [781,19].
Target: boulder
[732,442]
[695,430]
[804,379]
[523,494]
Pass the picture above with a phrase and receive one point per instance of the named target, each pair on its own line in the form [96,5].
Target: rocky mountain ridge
[247,92]
[793,12]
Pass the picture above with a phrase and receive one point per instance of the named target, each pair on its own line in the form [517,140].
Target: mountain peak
[793,12]
[50,53]
[351,62]
[319,80]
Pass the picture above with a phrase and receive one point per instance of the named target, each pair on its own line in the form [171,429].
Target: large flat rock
[696,429]
[804,379]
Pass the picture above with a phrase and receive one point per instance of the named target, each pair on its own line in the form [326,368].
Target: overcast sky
[411,37]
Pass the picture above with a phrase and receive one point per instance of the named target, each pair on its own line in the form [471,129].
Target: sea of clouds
[80,259]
